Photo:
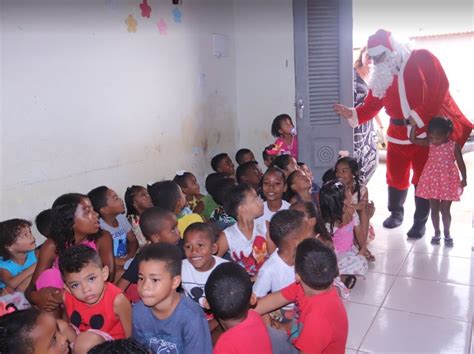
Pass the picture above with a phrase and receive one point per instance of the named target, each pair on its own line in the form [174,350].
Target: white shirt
[274,275]
[268,214]
[193,281]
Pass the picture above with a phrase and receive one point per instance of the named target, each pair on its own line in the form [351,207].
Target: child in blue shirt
[17,255]
[165,320]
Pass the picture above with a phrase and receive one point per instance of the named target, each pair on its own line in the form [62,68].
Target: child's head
[268,155]
[347,171]
[329,175]
[250,173]
[83,273]
[305,168]
[222,163]
[31,331]
[315,220]
[73,216]
[119,346]
[106,202]
[167,195]
[282,125]
[273,184]
[211,181]
[15,237]
[439,129]
[159,261]
[331,201]
[287,163]
[160,226]
[199,245]
[244,155]
[43,223]
[288,228]
[137,200]
[221,189]
[298,182]
[315,265]
[229,292]
[188,183]
[243,201]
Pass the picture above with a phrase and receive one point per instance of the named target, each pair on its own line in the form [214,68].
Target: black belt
[399,121]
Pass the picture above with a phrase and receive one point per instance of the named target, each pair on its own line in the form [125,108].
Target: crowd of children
[257,265]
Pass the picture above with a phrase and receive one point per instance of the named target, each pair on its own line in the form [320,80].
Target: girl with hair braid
[347,171]
[73,221]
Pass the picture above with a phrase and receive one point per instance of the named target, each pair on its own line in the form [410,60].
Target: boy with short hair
[97,310]
[322,323]
[111,209]
[165,320]
[158,226]
[287,229]
[244,155]
[222,163]
[199,247]
[250,173]
[245,240]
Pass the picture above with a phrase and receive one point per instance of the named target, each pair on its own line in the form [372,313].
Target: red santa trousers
[401,159]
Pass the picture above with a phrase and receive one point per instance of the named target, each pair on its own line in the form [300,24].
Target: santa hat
[379,43]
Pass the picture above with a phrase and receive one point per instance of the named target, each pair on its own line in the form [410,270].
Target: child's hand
[50,299]
[411,121]
[199,208]
[463,183]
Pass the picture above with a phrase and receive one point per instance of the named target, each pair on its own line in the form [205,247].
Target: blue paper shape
[177,15]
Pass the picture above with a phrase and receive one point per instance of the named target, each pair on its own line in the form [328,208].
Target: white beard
[381,75]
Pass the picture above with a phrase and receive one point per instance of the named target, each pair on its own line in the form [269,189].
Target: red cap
[379,43]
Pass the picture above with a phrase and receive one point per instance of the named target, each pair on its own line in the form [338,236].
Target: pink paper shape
[162,26]
[146,9]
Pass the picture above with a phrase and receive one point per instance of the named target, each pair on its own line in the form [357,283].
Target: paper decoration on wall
[131,23]
[177,15]
[162,26]
[146,9]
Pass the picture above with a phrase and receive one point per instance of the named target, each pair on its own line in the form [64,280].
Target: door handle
[299,108]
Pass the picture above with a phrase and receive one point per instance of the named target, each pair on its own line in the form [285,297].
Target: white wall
[87,103]
[265,73]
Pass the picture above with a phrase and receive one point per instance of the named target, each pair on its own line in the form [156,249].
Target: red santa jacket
[420,90]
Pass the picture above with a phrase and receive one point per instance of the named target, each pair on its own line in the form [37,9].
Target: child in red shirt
[322,322]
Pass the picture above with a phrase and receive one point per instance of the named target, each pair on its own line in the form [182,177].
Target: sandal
[349,280]
[435,240]
[370,257]
[448,242]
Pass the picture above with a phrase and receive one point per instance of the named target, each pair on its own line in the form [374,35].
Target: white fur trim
[354,119]
[406,110]
[404,142]
[417,119]
[374,51]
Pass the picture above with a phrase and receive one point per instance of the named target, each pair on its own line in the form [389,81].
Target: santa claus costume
[408,83]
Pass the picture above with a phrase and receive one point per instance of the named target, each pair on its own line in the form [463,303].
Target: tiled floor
[416,298]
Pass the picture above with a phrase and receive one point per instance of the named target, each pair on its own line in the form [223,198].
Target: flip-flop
[349,280]
[370,257]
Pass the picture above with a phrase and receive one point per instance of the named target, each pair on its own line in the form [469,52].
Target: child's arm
[123,284]
[45,299]
[461,164]
[105,249]
[17,282]
[222,244]
[132,244]
[271,302]
[413,138]
[123,310]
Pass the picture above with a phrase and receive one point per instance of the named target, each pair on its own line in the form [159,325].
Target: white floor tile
[453,301]
[462,247]
[351,351]
[360,318]
[391,239]
[372,289]
[438,267]
[387,261]
[404,332]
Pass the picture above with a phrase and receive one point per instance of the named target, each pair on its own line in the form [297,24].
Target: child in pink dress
[284,131]
[439,181]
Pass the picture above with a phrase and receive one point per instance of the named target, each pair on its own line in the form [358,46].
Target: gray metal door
[323,68]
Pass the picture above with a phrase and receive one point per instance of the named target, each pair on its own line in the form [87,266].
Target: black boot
[422,211]
[396,199]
